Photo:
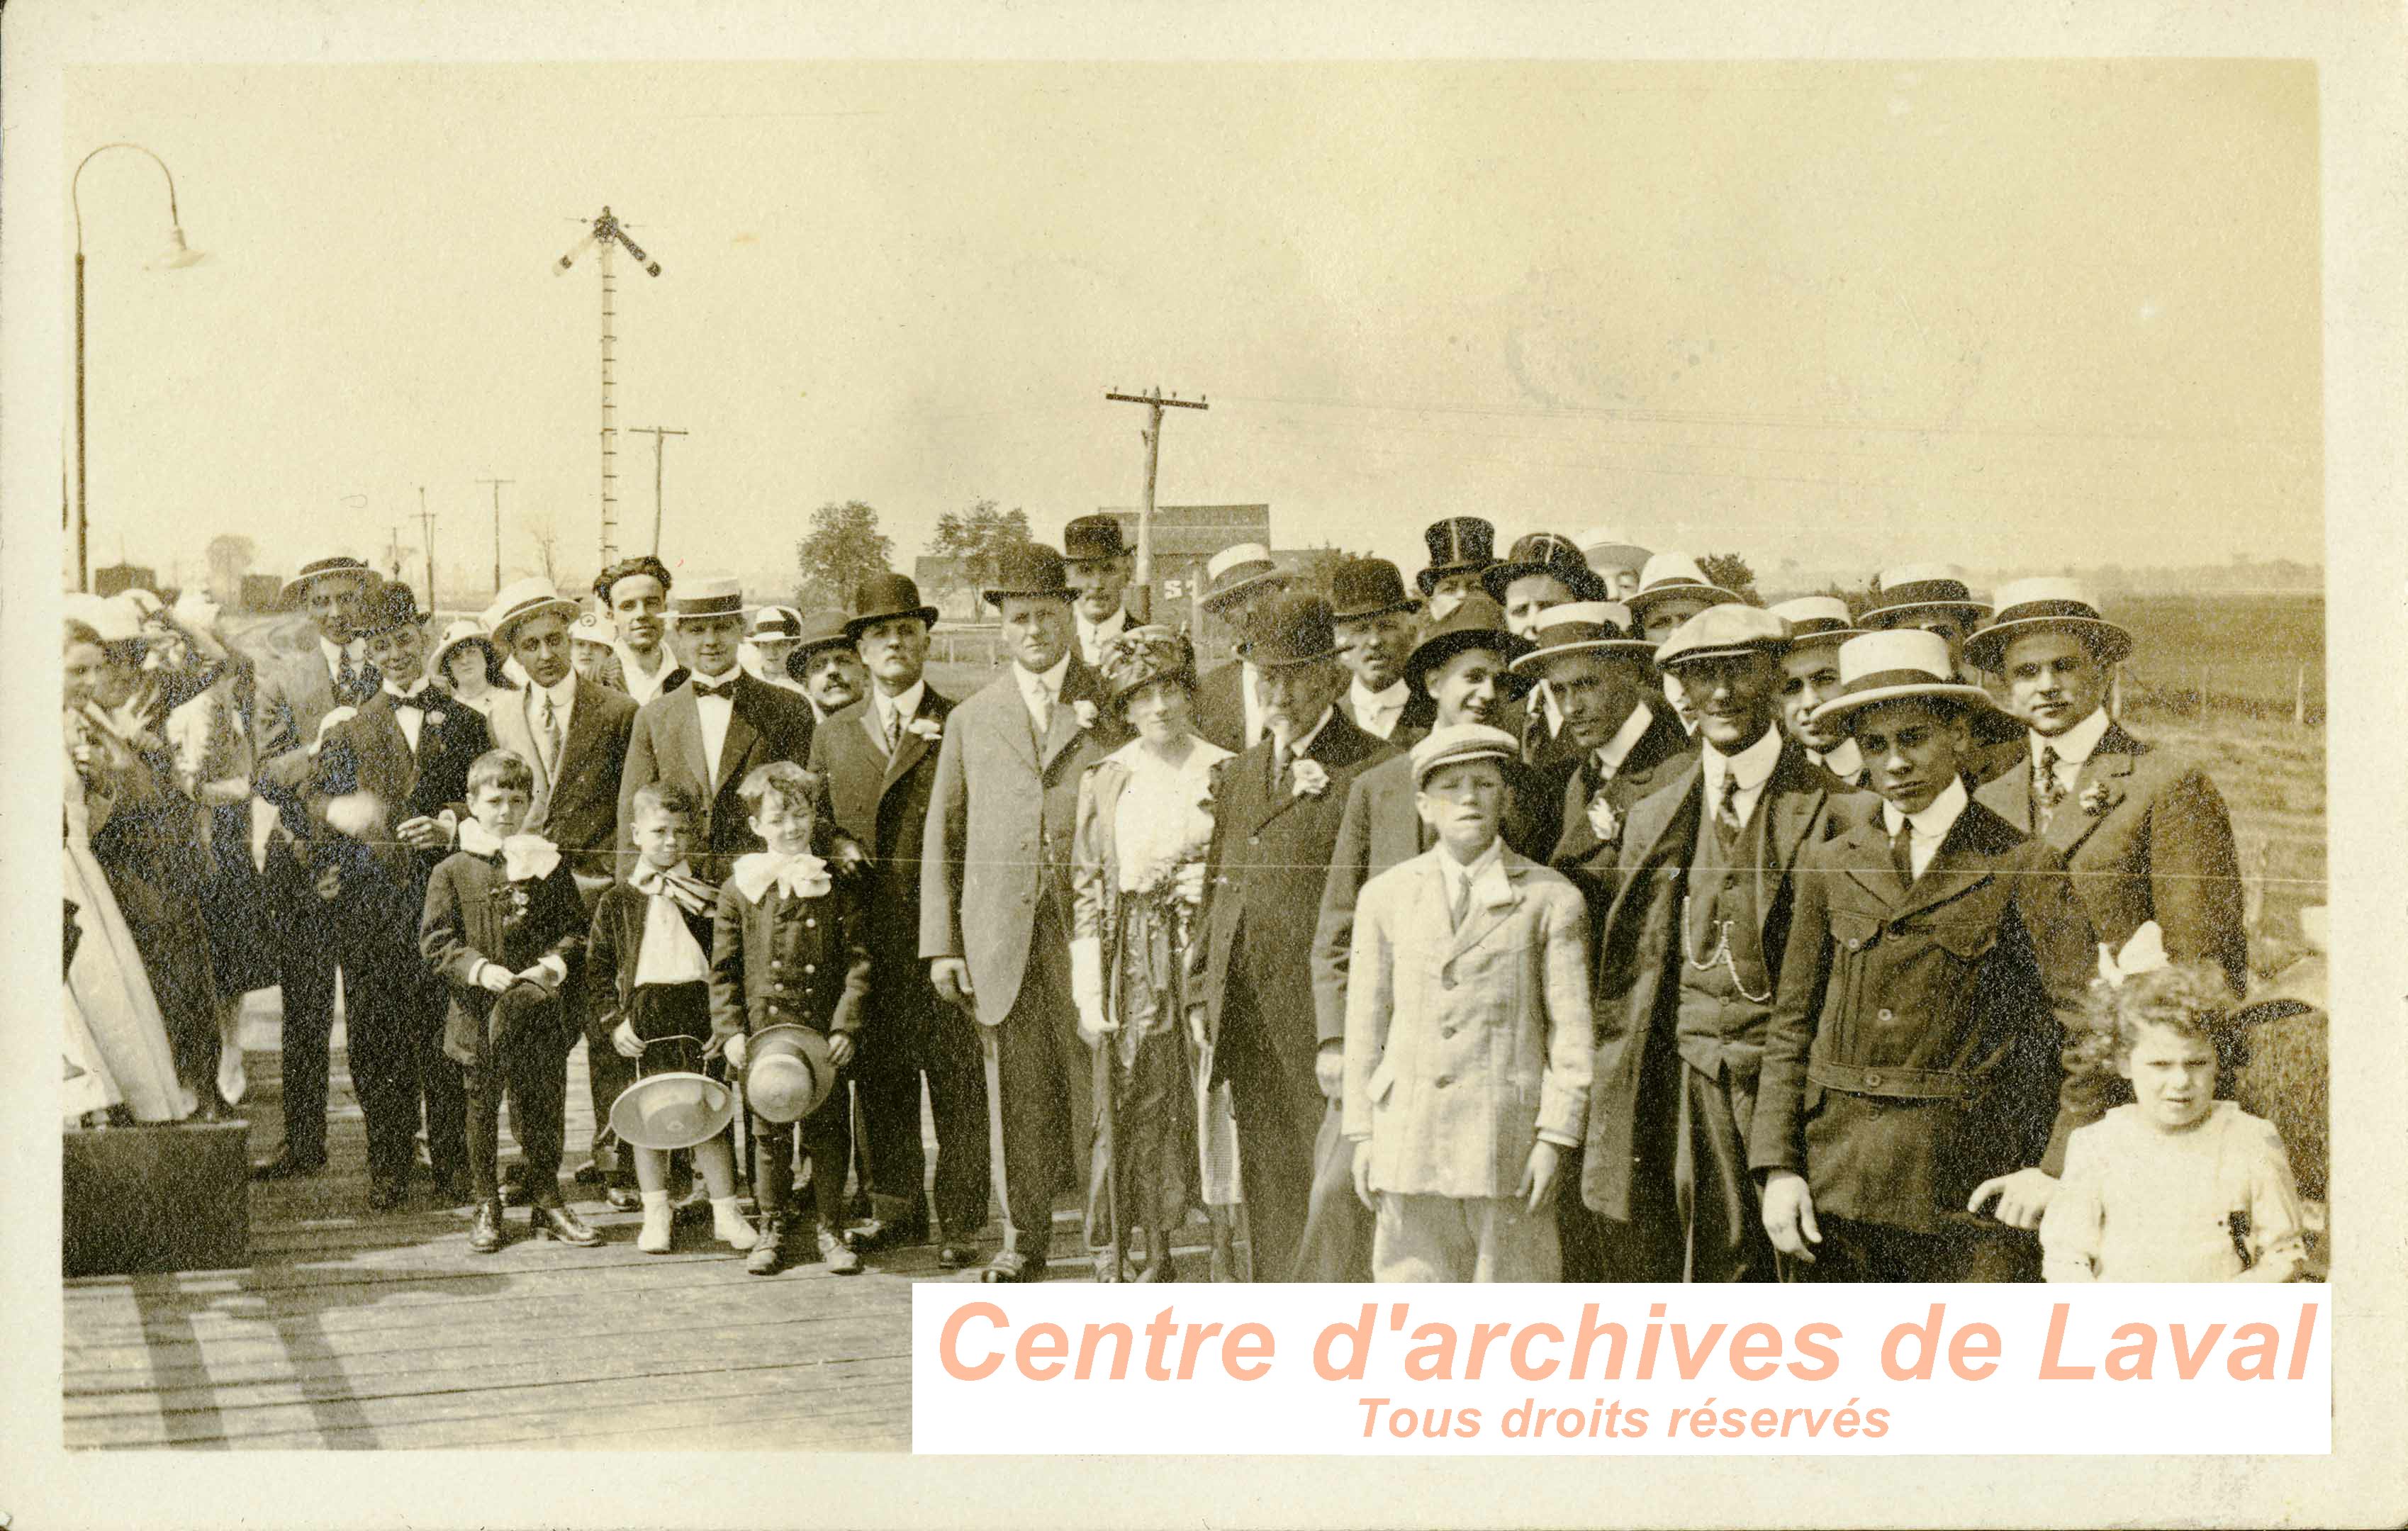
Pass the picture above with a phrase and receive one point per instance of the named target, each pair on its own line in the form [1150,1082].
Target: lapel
[1330,750]
[741,733]
[1011,719]
[1482,915]
[2009,794]
[1791,799]
[1676,840]
[2107,768]
[1963,862]
[911,747]
[682,712]
[1079,684]
[1867,860]
[584,724]
[393,772]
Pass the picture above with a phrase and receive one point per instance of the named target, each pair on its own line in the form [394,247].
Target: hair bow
[2144,953]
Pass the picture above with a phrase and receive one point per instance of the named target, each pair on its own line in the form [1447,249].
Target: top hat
[1610,550]
[1458,742]
[1581,627]
[1816,620]
[1918,587]
[776,621]
[1290,628]
[1028,568]
[1544,552]
[1367,587]
[787,1072]
[459,631]
[324,569]
[707,596]
[1238,573]
[1090,539]
[1136,657]
[520,599]
[593,627]
[1892,666]
[1457,545]
[1722,632]
[1479,622]
[2046,604]
[391,605]
[884,595]
[1674,576]
[824,630]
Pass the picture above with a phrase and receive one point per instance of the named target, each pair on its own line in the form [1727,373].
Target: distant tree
[843,548]
[230,558]
[977,537]
[1861,598]
[1316,566]
[1732,573]
[546,537]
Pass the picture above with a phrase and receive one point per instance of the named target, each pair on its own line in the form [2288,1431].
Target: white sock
[652,1199]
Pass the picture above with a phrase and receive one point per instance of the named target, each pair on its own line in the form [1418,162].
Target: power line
[498,484]
[1156,402]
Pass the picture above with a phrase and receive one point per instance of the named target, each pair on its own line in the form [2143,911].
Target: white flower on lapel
[1086,712]
[926,728]
[435,719]
[1603,821]
[1311,780]
[2097,799]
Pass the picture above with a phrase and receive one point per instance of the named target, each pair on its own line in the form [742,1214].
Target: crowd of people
[1559,916]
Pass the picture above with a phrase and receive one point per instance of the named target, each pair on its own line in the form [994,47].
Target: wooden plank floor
[355,1330]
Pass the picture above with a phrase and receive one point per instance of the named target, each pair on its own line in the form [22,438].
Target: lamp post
[177,257]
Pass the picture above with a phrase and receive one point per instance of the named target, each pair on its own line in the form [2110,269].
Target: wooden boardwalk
[355,1330]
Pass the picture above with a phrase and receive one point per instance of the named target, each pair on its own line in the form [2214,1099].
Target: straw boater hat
[324,569]
[776,621]
[1583,627]
[1457,545]
[1723,632]
[883,597]
[1544,552]
[1368,587]
[1891,666]
[1921,587]
[520,599]
[1479,622]
[1235,573]
[1136,657]
[1291,628]
[1091,539]
[1606,550]
[1459,742]
[457,633]
[706,596]
[1031,569]
[2046,604]
[595,627]
[1816,620]
[115,621]
[1674,576]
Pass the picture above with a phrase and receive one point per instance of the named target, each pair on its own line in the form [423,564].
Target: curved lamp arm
[75,184]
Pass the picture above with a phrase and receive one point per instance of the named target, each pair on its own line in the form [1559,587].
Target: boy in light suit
[1466,1035]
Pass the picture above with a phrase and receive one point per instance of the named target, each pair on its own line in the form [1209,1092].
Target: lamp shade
[177,255]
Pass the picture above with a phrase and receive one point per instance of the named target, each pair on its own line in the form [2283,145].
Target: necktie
[1044,716]
[893,729]
[2048,789]
[550,736]
[1458,898]
[347,676]
[1901,851]
[1279,769]
[724,690]
[1727,808]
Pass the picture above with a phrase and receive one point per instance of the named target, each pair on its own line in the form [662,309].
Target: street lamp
[176,256]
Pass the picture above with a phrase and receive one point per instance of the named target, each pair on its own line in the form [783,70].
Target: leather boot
[556,1221]
[769,1255]
[485,1233]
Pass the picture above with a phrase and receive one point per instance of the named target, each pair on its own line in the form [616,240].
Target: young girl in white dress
[2177,1186]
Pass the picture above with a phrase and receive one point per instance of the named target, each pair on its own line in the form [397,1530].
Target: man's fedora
[520,599]
[1457,545]
[1091,539]
[1723,632]
[787,1072]
[1920,587]
[2046,604]
[1238,573]
[821,630]
[1674,576]
[706,596]
[1578,627]
[1817,620]
[1028,569]
[883,597]
[1895,666]
[327,568]
[1544,552]
[1292,627]
[1479,622]
[1368,587]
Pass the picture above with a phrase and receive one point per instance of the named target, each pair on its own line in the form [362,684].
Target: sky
[1833,315]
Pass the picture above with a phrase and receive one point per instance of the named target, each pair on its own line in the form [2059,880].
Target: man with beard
[1374,620]
[634,592]
[1810,675]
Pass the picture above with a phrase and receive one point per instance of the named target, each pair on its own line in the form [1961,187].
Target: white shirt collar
[561,691]
[414,693]
[1613,752]
[729,677]
[1479,863]
[905,703]
[2074,746]
[1751,765]
[1091,633]
[1379,704]
[1048,681]
[1304,741]
[1938,816]
[1843,760]
[333,654]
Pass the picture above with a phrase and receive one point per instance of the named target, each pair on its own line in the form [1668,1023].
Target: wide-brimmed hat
[787,1072]
[1029,569]
[1457,545]
[673,1110]
[1544,552]
[1136,657]
[391,605]
[1723,632]
[322,568]
[706,596]
[774,623]
[1292,627]
[593,627]
[1459,742]
[884,595]
[1478,623]
[458,632]
[1816,620]
[1581,627]
[1092,538]
[520,599]
[1606,548]
[1894,665]
[1368,587]
[1674,576]
[1235,573]
[1920,587]
[2046,604]
[822,630]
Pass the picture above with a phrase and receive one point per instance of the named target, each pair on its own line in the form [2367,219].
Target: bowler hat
[787,1072]
[1136,657]
[2046,606]
[1920,587]
[520,599]
[1896,666]
[1544,552]
[391,605]
[1290,628]
[324,569]
[1367,587]
[1583,627]
[1093,537]
[1674,576]
[1457,545]
[1722,632]
[1479,622]
[884,595]
[1030,569]
[1238,572]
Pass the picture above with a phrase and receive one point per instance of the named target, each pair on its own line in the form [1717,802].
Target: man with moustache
[826,666]
[1228,709]
[1100,564]
[635,594]
[995,893]
[1276,810]
[1543,570]
[1374,620]
[1461,549]
[1810,675]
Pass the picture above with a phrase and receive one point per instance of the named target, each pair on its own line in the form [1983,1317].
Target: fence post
[2300,697]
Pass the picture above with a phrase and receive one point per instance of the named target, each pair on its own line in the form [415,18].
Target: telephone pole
[427,529]
[498,484]
[606,237]
[656,433]
[393,553]
[1156,402]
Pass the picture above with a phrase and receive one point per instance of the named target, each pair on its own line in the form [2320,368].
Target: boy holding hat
[1930,597]
[1372,618]
[634,594]
[1810,675]
[2144,831]
[825,667]
[1937,964]
[1461,549]
[1691,957]
[1227,710]
[1099,562]
[1466,1035]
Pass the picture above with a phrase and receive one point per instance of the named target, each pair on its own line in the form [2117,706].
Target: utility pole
[392,552]
[606,235]
[1156,402]
[498,484]
[656,433]
[427,529]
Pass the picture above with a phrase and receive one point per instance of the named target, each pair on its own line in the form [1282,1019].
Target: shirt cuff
[1560,1140]
[557,967]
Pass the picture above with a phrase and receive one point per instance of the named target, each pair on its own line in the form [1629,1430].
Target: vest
[1722,963]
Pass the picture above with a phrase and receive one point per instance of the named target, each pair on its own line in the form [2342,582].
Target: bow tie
[524,855]
[678,885]
[800,875]
[415,696]
[723,691]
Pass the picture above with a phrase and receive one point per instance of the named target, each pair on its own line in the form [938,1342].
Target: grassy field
[2247,653]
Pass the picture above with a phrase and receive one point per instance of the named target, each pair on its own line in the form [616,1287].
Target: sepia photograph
[694,696]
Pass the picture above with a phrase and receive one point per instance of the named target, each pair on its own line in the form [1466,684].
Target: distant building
[262,591]
[114,579]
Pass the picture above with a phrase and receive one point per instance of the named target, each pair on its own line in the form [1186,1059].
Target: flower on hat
[1603,821]
[1311,780]
[1086,712]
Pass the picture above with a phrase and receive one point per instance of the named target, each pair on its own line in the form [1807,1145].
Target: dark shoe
[589,1173]
[1012,1266]
[485,1234]
[286,1165]
[838,1256]
[557,1221]
[621,1198]
[768,1256]
[214,1108]
[957,1256]
[874,1235]
[384,1195]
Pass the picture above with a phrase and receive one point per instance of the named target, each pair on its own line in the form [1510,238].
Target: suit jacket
[1270,863]
[1001,813]
[1915,1046]
[883,802]
[576,807]
[466,921]
[1578,852]
[614,944]
[369,752]
[1220,710]
[1525,718]
[766,722]
[1412,724]
[1464,1046]
[785,960]
[294,694]
[1641,951]
[2160,848]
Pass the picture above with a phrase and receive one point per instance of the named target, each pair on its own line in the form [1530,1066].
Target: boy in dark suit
[385,803]
[503,927]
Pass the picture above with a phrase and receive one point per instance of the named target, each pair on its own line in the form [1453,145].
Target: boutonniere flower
[2097,799]
[926,728]
[1311,780]
[1602,821]
[435,719]
[1086,712]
